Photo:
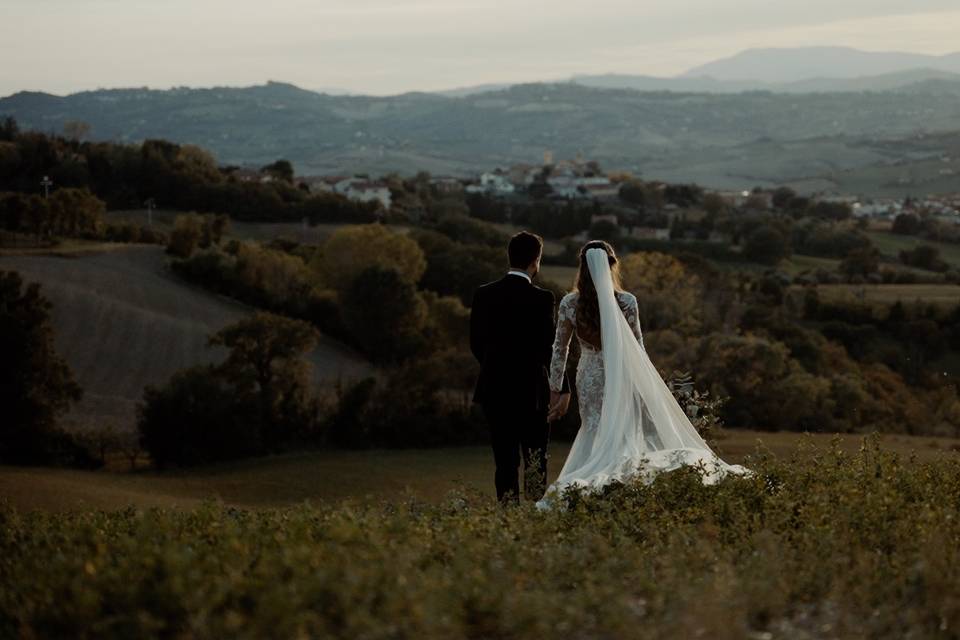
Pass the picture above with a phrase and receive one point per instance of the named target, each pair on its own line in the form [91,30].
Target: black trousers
[516,435]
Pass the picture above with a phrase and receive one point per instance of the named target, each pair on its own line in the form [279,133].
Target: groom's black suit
[511,335]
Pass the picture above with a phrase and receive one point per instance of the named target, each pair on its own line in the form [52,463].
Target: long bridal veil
[642,429]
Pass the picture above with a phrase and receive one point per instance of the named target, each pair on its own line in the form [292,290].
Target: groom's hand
[559,403]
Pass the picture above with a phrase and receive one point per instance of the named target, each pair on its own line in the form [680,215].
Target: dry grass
[123,321]
[68,248]
[336,475]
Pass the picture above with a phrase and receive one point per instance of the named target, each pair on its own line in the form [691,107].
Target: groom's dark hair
[524,249]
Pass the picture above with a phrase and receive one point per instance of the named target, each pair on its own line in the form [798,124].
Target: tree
[186,235]
[457,269]
[683,195]
[766,389]
[351,250]
[253,403]
[633,192]
[214,228]
[384,313]
[9,160]
[832,210]
[668,296]
[782,197]
[280,170]
[8,128]
[197,417]
[448,321]
[267,360]
[37,385]
[198,163]
[605,230]
[907,224]
[766,245]
[13,211]
[756,202]
[38,217]
[74,212]
[861,262]
[714,204]
[76,130]
[924,257]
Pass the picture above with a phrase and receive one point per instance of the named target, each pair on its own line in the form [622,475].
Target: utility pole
[46,183]
[150,204]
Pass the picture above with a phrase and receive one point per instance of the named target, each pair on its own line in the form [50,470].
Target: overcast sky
[391,46]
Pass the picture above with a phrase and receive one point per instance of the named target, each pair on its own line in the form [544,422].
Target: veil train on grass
[642,430]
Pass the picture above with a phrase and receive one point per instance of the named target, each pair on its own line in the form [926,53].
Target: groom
[511,335]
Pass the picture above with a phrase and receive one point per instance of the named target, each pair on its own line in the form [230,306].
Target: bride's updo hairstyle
[588,309]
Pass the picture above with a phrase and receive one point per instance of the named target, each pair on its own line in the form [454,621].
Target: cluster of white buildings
[357,189]
[945,208]
[567,180]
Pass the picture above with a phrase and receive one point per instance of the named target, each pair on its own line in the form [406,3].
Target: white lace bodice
[567,326]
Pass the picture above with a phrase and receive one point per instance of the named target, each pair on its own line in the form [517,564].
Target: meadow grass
[823,543]
[365,476]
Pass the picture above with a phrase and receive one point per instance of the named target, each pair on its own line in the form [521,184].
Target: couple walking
[630,424]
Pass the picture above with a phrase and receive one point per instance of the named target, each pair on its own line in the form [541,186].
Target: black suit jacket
[511,335]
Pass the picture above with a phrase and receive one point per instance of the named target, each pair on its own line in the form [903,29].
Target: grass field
[891,244]
[943,295]
[335,475]
[122,322]
[830,543]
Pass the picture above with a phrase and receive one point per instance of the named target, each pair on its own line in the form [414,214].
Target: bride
[631,426]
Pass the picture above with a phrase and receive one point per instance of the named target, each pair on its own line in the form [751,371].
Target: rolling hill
[122,322]
[719,140]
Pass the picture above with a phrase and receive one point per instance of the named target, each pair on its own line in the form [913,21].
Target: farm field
[326,476]
[943,295]
[122,322]
[891,244]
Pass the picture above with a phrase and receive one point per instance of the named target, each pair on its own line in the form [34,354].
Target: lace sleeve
[561,343]
[632,313]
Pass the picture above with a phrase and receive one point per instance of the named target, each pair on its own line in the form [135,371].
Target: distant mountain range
[707,84]
[793,65]
[676,129]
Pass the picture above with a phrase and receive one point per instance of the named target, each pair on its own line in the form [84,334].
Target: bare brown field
[68,248]
[359,475]
[123,321]
[945,295]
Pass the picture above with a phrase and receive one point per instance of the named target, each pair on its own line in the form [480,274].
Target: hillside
[719,140]
[123,322]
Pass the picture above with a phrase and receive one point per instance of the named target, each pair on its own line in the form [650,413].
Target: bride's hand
[559,403]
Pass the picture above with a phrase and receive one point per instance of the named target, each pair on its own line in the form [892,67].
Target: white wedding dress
[631,426]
